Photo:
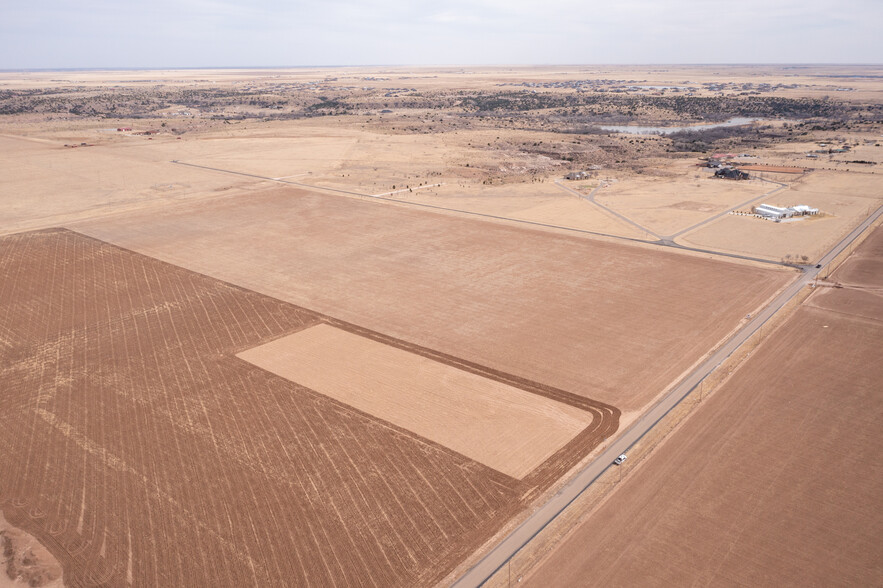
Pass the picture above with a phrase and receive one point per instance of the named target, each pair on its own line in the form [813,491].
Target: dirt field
[139,449]
[136,446]
[865,268]
[502,427]
[533,304]
[776,480]
[859,281]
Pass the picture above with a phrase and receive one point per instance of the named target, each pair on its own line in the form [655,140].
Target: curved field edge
[140,448]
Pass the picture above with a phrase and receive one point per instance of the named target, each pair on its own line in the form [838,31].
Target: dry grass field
[534,304]
[843,199]
[546,203]
[688,196]
[137,446]
[45,184]
[776,480]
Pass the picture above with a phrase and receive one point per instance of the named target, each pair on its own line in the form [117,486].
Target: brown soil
[774,481]
[612,322]
[141,450]
[865,267]
[498,425]
[138,448]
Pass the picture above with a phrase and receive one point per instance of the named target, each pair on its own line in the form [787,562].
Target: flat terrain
[669,205]
[378,131]
[614,323]
[775,480]
[45,184]
[138,446]
[546,203]
[510,430]
[863,269]
[225,215]
[843,199]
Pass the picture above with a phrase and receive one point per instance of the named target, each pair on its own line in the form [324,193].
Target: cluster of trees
[570,111]
[677,107]
[141,103]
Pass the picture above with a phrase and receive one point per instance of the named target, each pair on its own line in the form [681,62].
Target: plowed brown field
[865,267]
[608,321]
[510,430]
[140,450]
[776,481]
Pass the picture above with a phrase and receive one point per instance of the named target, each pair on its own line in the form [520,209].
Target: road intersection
[545,514]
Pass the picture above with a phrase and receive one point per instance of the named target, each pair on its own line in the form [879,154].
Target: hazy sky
[194,33]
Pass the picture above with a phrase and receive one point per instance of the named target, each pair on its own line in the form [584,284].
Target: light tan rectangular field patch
[503,427]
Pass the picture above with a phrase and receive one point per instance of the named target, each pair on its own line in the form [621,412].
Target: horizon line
[427,66]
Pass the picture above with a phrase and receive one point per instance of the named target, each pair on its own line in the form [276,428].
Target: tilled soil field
[609,321]
[776,480]
[141,451]
[510,430]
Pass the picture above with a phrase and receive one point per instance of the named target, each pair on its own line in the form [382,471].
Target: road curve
[545,514]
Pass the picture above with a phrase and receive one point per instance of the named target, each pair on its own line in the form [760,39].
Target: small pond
[636,130]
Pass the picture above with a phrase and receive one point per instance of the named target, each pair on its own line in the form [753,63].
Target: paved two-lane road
[509,546]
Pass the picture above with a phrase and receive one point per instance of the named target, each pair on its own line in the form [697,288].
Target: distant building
[775,212]
[804,210]
[731,173]
[580,175]
[779,212]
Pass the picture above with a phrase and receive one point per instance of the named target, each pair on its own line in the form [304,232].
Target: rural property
[390,327]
